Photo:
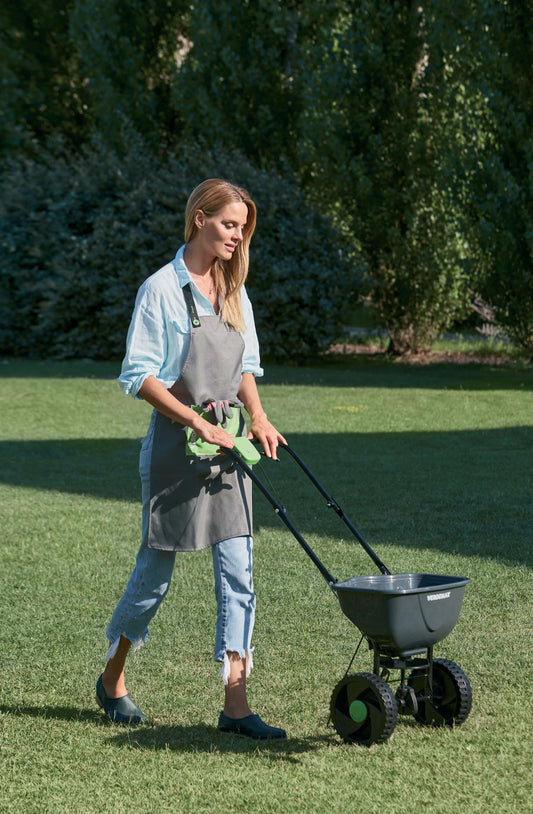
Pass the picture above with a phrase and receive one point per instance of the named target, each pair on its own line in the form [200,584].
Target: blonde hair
[229,275]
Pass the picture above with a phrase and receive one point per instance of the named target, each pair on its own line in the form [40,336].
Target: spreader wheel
[363,709]
[452,695]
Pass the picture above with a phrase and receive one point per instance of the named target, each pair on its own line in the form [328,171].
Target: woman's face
[221,233]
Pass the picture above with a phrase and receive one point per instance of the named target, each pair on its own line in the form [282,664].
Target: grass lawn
[432,464]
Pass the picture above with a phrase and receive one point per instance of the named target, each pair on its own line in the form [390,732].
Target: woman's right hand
[159,397]
[211,433]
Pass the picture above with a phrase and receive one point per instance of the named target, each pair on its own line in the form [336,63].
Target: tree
[237,84]
[407,123]
[502,184]
[128,49]
[377,151]
[42,90]
[85,66]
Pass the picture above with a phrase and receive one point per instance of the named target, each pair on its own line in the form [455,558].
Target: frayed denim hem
[136,644]
[225,669]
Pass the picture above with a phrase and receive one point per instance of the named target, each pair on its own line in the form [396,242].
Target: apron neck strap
[191,306]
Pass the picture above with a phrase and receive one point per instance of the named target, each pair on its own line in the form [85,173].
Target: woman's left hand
[266,434]
[260,427]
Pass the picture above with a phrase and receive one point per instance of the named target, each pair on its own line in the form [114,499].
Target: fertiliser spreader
[401,616]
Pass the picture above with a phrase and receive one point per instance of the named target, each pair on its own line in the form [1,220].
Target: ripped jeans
[149,584]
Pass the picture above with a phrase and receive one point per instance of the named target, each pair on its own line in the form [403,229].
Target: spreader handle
[279,509]
[332,504]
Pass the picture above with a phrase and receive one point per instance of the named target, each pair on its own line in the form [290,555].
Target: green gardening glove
[196,446]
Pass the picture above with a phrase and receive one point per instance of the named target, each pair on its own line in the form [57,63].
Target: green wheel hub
[358,711]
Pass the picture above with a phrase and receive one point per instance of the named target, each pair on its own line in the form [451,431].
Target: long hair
[229,275]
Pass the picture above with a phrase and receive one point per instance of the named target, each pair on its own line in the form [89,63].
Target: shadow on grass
[364,371]
[193,738]
[102,468]
[452,491]
[203,738]
[54,713]
[340,371]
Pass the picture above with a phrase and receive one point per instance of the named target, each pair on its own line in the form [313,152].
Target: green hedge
[79,235]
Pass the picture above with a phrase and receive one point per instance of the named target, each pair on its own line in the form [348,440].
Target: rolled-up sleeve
[145,345]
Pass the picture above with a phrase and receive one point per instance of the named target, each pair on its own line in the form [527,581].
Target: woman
[192,353]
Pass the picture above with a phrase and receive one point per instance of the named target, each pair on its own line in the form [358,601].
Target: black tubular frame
[332,504]
[280,510]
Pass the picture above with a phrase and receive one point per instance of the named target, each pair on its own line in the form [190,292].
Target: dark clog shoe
[251,727]
[119,710]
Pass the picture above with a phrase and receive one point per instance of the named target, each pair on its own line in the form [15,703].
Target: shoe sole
[252,737]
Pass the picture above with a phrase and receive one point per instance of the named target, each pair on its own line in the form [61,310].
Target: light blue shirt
[159,334]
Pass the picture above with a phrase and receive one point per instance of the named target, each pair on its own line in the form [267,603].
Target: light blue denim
[149,584]
[151,577]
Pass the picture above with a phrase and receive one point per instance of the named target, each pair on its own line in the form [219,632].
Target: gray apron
[197,502]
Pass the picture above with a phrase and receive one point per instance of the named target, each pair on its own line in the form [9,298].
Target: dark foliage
[79,235]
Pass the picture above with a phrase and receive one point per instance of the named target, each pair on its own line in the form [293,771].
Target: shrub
[79,235]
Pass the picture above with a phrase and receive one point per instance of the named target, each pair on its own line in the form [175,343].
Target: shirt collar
[180,268]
